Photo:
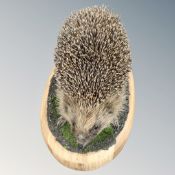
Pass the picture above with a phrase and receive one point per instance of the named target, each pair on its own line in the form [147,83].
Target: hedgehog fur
[92,61]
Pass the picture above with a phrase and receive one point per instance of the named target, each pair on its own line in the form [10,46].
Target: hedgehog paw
[60,121]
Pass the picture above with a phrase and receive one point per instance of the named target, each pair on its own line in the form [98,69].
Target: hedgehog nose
[80,137]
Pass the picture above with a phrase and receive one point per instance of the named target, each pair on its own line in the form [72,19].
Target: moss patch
[107,132]
[68,135]
[100,138]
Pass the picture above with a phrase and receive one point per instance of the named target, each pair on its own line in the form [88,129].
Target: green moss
[68,135]
[54,107]
[102,136]
[109,131]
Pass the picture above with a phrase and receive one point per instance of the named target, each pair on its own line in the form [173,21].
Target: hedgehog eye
[110,111]
[94,129]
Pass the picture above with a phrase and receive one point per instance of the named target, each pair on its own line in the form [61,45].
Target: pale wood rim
[90,160]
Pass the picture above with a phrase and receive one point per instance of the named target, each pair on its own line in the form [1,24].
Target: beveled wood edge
[90,160]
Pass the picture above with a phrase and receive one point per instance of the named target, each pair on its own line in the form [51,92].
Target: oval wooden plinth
[90,160]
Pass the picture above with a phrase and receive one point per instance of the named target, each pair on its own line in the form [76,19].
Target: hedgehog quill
[92,61]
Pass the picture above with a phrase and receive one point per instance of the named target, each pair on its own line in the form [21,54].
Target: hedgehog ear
[94,128]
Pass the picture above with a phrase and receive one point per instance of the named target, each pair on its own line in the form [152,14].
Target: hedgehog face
[92,122]
[87,122]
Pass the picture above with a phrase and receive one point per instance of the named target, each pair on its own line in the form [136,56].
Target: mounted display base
[89,160]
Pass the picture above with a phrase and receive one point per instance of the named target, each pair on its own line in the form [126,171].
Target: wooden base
[90,160]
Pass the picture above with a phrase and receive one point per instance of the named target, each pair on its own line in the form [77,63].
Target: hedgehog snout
[81,139]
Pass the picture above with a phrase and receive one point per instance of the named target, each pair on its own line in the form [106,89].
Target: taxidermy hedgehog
[92,61]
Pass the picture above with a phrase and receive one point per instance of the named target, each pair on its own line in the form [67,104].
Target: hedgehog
[92,60]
